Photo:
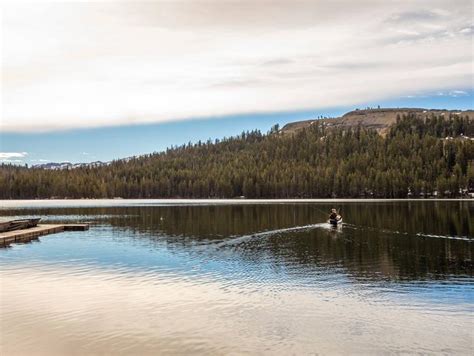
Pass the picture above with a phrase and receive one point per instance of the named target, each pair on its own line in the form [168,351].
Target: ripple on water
[259,283]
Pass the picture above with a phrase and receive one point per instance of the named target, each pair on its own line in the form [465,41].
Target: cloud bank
[72,65]
[12,157]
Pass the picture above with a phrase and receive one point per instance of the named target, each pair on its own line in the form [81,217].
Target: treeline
[416,158]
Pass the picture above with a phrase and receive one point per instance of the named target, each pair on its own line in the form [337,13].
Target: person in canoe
[334,217]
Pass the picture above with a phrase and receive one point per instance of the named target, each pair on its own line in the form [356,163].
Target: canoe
[336,222]
[33,222]
[4,225]
[18,224]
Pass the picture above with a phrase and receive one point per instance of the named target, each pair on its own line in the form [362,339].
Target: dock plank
[26,235]
[76,227]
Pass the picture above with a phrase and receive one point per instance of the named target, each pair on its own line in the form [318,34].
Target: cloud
[71,65]
[467,30]
[12,157]
[8,155]
[453,93]
[458,92]
[415,16]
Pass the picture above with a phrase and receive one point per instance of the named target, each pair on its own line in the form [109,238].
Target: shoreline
[31,203]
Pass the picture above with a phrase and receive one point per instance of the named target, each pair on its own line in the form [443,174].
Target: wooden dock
[33,233]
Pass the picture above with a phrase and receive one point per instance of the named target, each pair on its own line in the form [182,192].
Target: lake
[236,277]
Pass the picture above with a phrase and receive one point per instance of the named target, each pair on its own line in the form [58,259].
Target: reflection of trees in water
[428,217]
[379,240]
[438,218]
[375,255]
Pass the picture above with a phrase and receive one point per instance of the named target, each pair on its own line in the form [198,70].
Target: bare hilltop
[379,119]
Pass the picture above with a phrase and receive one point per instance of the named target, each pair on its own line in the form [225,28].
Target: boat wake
[418,234]
[446,237]
[234,240]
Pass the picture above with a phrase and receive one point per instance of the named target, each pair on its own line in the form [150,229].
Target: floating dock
[33,233]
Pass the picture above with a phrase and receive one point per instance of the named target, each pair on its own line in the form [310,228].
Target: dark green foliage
[415,158]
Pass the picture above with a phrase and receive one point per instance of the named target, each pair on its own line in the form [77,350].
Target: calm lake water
[180,278]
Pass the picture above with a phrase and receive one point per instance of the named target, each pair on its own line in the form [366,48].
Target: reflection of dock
[33,233]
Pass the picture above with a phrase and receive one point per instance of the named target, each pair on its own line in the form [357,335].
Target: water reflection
[111,312]
[409,240]
[250,278]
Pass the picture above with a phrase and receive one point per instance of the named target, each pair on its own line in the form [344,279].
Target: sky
[86,81]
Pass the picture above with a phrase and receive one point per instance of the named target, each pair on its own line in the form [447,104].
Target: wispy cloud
[458,92]
[447,93]
[12,157]
[8,155]
[69,65]
[467,30]
[409,17]
[452,93]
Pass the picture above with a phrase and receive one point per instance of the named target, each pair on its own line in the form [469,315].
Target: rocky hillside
[378,119]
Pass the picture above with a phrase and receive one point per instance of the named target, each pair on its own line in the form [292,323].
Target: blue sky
[107,143]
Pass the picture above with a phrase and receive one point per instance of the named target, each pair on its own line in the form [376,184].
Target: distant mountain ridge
[55,166]
[68,165]
[379,119]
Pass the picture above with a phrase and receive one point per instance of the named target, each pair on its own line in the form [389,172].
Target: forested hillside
[416,157]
